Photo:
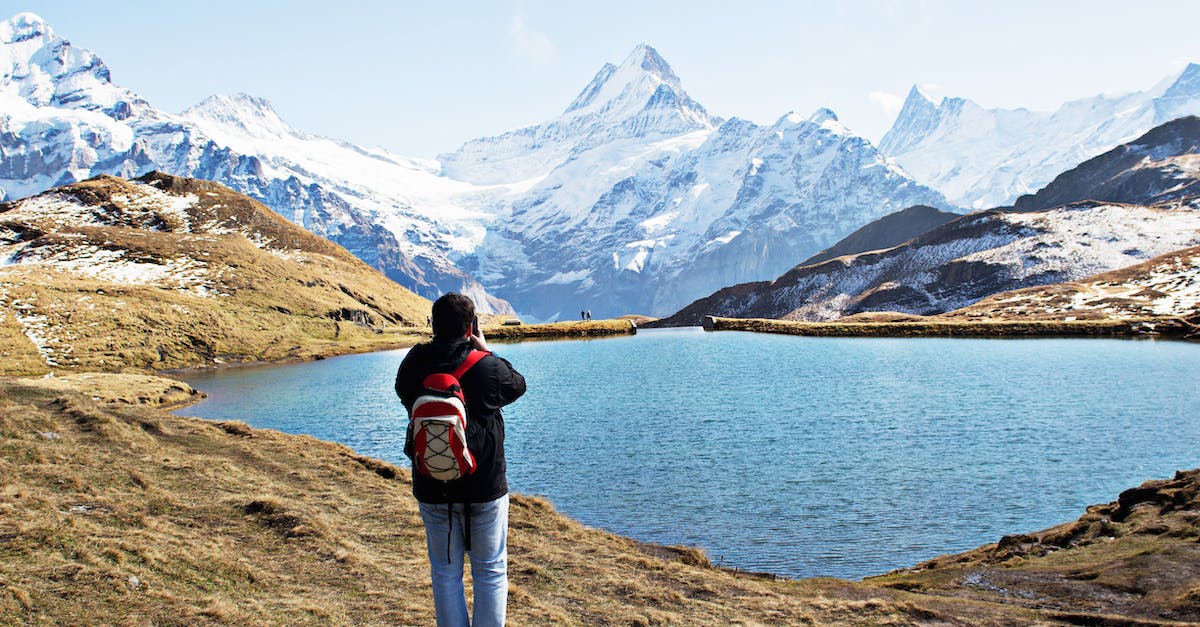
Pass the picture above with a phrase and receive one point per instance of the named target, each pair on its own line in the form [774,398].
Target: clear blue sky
[419,78]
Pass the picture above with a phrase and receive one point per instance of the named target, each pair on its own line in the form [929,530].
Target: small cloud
[933,90]
[529,42]
[889,102]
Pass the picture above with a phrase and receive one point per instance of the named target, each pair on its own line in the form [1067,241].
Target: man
[467,515]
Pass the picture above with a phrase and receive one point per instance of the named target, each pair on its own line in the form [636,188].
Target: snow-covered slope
[981,158]
[958,264]
[62,120]
[1167,285]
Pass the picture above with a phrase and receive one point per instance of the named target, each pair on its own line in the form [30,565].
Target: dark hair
[452,315]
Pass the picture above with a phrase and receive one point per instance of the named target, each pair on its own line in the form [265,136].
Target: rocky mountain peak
[644,79]
[44,69]
[23,27]
[1188,82]
[648,59]
[240,112]
[917,117]
[1181,98]
[639,99]
[826,118]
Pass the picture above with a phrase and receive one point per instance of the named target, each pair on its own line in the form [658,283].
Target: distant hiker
[589,315]
[583,314]
[467,515]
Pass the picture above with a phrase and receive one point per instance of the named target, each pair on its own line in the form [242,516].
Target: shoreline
[499,333]
[1173,328]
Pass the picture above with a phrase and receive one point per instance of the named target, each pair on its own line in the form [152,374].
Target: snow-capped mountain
[984,253]
[655,202]
[63,120]
[981,158]
[641,100]
[635,199]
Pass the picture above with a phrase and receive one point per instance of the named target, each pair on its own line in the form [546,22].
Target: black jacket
[488,385]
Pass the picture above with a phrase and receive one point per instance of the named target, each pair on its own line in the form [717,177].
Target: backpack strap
[472,358]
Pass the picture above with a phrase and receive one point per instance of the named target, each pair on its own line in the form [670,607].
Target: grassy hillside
[167,272]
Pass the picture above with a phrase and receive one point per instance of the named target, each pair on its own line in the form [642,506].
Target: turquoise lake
[800,456]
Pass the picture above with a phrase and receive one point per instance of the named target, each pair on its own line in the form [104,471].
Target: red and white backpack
[438,420]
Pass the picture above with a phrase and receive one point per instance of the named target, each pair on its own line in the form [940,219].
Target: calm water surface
[800,456]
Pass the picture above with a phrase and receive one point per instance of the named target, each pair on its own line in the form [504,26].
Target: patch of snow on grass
[178,273]
[172,208]
[1079,242]
[1182,286]
[59,209]
[37,328]
[142,205]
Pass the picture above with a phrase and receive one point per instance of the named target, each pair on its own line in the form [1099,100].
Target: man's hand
[478,342]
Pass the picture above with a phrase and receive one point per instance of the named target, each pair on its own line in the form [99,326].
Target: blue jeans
[489,561]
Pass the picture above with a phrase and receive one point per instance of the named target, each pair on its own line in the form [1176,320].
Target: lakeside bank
[984,328]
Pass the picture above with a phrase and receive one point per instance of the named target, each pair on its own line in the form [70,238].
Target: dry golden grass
[117,514]
[130,389]
[18,355]
[942,327]
[560,330]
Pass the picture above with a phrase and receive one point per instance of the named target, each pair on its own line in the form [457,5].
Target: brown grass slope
[1137,557]
[252,285]
[123,514]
